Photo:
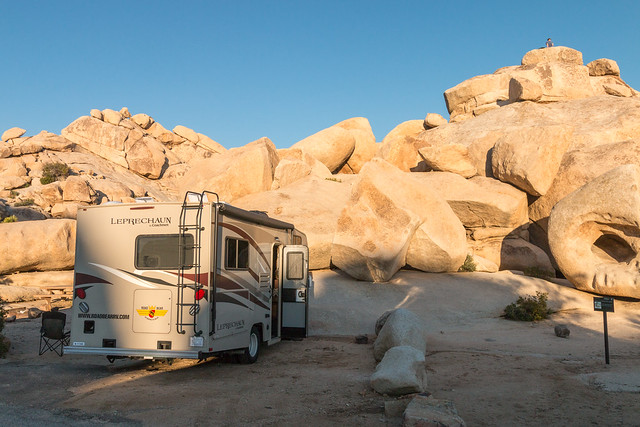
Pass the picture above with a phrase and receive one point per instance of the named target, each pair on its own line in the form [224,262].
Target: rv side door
[295,304]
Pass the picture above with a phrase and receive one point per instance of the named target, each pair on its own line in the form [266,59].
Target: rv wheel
[250,354]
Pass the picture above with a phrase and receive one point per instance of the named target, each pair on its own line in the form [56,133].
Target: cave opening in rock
[613,248]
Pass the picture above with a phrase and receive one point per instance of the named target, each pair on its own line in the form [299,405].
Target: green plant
[538,272]
[333,179]
[25,202]
[529,308]
[468,265]
[13,194]
[11,218]
[52,172]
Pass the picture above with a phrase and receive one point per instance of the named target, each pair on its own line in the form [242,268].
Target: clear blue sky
[239,70]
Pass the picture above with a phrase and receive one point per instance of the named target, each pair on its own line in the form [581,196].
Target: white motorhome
[186,280]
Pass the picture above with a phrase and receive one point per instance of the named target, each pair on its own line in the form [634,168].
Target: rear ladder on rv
[190,223]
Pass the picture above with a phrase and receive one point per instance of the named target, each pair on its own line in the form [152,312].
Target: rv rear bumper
[132,352]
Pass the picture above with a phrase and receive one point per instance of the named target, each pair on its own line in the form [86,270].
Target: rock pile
[430,195]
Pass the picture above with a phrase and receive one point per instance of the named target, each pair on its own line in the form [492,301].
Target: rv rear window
[295,266]
[160,251]
[236,254]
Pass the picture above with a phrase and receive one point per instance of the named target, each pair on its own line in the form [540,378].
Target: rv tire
[251,353]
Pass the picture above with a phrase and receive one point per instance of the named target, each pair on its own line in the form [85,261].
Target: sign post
[605,305]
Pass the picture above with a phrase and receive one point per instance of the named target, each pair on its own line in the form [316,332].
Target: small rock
[427,411]
[125,113]
[34,313]
[10,319]
[95,113]
[395,408]
[562,331]
[362,339]
[434,120]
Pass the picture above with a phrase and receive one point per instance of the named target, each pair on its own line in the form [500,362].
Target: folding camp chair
[52,334]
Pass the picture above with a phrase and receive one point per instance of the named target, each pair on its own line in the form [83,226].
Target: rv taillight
[199,294]
[81,293]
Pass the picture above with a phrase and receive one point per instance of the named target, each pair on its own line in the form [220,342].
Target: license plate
[196,341]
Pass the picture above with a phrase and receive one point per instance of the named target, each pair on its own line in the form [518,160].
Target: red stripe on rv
[248,238]
[84,279]
[203,278]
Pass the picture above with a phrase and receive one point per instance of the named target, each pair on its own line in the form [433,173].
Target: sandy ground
[497,372]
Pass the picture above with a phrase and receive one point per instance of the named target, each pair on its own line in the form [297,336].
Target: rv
[186,280]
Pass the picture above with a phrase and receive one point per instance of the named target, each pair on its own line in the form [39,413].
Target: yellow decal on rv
[151,312]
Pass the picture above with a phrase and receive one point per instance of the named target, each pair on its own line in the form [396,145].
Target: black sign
[603,304]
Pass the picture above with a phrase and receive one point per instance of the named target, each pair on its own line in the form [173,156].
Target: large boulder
[594,121]
[553,54]
[433,120]
[14,132]
[611,85]
[104,139]
[449,158]
[546,75]
[530,157]
[111,116]
[13,173]
[401,328]
[75,188]
[479,202]
[380,220]
[296,164]
[186,133]
[209,144]
[523,89]
[477,95]
[398,147]
[142,120]
[313,204]
[47,245]
[365,143]
[332,146]
[235,173]
[512,253]
[163,135]
[113,190]
[147,157]
[401,371]
[603,67]
[51,141]
[593,234]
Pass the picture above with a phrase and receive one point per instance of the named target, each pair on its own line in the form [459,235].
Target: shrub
[468,265]
[333,179]
[11,218]
[25,202]
[13,194]
[529,308]
[538,272]
[52,172]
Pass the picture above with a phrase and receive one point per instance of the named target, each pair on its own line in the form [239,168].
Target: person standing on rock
[549,42]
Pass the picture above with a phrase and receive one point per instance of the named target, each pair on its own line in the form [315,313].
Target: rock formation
[593,234]
[379,223]
[520,142]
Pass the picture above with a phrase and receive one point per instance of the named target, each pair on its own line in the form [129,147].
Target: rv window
[160,251]
[295,266]
[237,253]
